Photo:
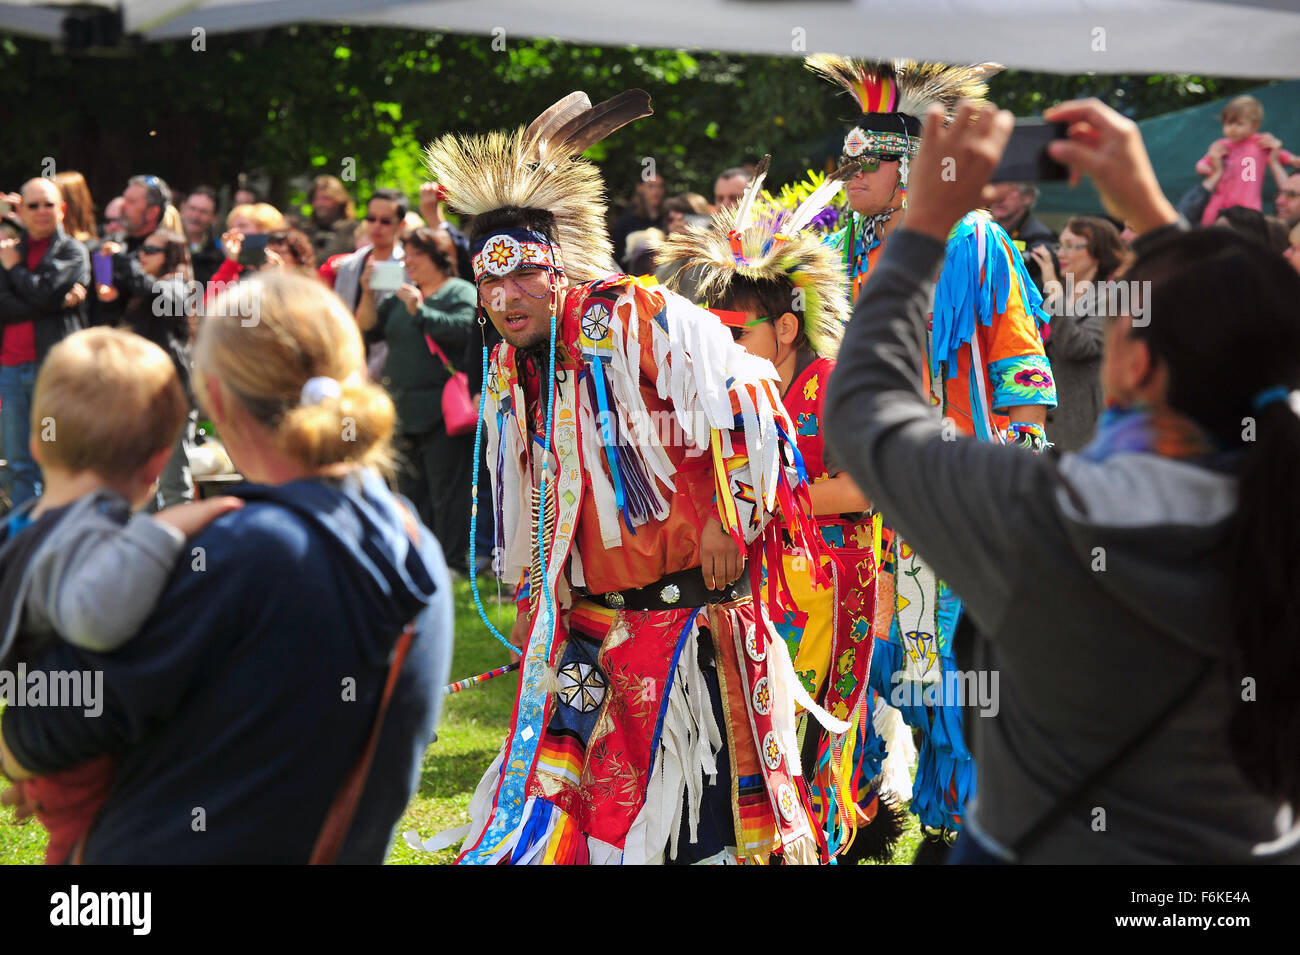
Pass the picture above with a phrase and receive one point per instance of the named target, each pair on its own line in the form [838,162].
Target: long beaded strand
[473,507]
[541,510]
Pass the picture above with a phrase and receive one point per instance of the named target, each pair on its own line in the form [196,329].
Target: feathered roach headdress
[894,96]
[539,168]
[760,242]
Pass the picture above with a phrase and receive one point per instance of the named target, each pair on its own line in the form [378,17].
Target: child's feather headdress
[756,240]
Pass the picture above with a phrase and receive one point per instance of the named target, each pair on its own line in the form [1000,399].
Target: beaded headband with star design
[503,252]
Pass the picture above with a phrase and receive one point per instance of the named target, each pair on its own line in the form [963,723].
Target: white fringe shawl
[511,498]
[700,368]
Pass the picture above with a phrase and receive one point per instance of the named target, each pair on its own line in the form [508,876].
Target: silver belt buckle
[670,594]
[614,601]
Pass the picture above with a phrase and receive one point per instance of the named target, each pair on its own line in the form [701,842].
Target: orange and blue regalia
[986,357]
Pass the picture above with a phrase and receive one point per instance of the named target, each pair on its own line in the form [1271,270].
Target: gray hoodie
[95,577]
[1099,589]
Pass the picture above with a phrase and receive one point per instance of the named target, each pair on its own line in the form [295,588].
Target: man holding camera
[357,273]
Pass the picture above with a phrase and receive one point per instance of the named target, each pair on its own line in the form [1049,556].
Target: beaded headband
[503,252]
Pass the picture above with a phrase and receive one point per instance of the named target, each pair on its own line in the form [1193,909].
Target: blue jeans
[968,851]
[23,478]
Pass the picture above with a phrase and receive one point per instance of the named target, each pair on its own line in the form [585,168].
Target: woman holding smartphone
[436,313]
[242,252]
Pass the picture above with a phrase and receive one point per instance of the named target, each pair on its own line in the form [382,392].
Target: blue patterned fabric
[1022,380]
[958,300]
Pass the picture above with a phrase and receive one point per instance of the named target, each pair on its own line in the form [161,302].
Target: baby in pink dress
[1244,153]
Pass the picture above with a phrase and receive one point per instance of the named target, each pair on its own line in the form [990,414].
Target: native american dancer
[782,293]
[637,456]
[987,376]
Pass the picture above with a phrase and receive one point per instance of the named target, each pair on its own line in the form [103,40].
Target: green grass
[474,723]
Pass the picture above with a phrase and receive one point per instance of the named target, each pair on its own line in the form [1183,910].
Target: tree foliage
[288,103]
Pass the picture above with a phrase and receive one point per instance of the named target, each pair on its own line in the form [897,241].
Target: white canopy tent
[1254,38]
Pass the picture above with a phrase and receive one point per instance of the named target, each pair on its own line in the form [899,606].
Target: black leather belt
[686,588]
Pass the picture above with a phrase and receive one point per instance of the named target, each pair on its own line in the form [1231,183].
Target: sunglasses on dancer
[869,162]
[382,220]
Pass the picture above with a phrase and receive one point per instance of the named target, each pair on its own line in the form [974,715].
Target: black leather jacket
[37,295]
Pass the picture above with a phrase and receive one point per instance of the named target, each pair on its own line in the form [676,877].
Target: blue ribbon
[1270,395]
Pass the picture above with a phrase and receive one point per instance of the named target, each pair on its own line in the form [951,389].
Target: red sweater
[66,803]
[19,346]
[228,273]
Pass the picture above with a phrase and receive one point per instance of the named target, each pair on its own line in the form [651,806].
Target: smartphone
[103,266]
[388,276]
[253,251]
[1026,158]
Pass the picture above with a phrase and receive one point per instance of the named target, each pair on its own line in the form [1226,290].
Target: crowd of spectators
[376,301]
[153,260]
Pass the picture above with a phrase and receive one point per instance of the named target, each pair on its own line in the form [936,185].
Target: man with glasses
[1288,199]
[384,214]
[40,276]
[198,212]
[1012,205]
[986,374]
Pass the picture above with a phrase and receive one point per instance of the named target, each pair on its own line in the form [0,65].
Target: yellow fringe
[727,513]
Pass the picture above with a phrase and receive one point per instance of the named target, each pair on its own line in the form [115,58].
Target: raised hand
[952,168]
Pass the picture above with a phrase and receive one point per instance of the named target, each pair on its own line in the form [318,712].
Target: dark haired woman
[438,309]
[1140,600]
[1091,251]
[161,306]
[295,248]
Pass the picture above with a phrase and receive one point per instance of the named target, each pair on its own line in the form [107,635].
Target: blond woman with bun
[249,695]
